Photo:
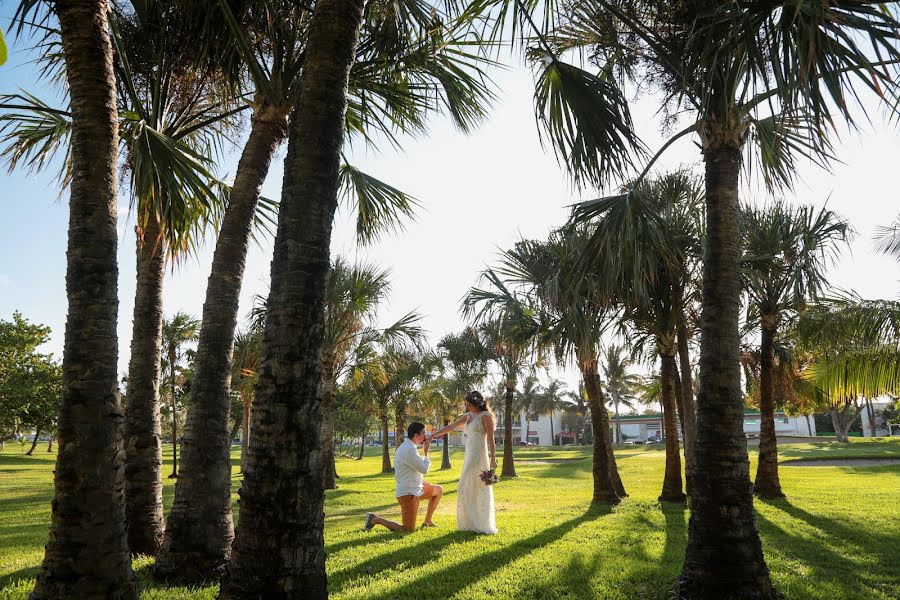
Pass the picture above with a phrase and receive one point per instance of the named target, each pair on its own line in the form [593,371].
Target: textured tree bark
[199,531]
[399,423]
[870,412]
[143,430]
[672,490]
[34,442]
[724,556]
[87,554]
[279,547]
[445,450]
[174,400]
[385,445]
[687,400]
[328,424]
[245,428]
[509,465]
[602,467]
[49,445]
[767,483]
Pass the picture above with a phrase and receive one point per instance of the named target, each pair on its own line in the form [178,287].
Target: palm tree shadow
[476,568]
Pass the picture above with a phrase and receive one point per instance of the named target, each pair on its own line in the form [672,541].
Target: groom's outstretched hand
[425,445]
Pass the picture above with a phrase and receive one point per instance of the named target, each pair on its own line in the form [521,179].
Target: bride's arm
[449,427]
[488,421]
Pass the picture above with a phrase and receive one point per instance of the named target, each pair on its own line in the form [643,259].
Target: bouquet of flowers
[489,477]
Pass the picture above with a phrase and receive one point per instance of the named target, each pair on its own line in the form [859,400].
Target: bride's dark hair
[477,400]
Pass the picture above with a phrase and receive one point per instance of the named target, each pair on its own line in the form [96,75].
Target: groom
[409,471]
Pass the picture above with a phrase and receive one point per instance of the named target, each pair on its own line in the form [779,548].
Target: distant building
[649,427]
[539,432]
[882,428]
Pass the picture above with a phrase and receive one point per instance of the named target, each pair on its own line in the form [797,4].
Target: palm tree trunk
[618,428]
[509,466]
[687,400]
[34,442]
[602,467]
[552,436]
[767,483]
[399,423]
[199,531]
[808,425]
[328,424]
[279,548]
[672,490]
[143,430]
[362,447]
[445,451]
[87,553]
[172,356]
[385,444]
[724,556]
[870,412]
[245,431]
[49,444]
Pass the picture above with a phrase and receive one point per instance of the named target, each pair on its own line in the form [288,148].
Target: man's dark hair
[414,429]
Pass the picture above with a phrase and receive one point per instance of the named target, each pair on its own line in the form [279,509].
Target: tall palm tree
[507,337]
[87,553]
[528,401]
[778,75]
[352,295]
[787,250]
[645,246]
[553,398]
[279,547]
[570,313]
[177,331]
[619,382]
[172,119]
[409,64]
[245,371]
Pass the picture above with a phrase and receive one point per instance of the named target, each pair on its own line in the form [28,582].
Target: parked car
[524,443]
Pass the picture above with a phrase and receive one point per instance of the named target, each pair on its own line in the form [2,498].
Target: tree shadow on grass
[27,574]
[475,568]
[883,550]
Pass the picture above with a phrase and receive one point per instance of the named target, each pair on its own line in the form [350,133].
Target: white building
[649,427]
[540,429]
[881,426]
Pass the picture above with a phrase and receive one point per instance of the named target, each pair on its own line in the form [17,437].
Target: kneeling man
[409,471]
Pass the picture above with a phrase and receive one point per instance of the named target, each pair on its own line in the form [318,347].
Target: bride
[475,500]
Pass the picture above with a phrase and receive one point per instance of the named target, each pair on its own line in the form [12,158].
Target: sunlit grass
[834,537]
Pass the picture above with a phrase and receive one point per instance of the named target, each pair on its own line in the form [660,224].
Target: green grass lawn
[836,536]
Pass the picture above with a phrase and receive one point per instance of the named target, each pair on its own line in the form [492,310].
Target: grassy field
[837,536]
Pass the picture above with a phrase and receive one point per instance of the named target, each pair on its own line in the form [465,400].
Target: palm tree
[772,74]
[409,64]
[528,402]
[570,314]
[507,337]
[87,553]
[172,119]
[245,372]
[619,382]
[177,331]
[352,295]
[644,247]
[553,399]
[787,251]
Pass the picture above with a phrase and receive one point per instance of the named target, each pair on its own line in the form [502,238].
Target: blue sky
[480,193]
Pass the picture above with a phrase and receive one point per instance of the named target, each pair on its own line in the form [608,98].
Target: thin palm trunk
[143,429]
[200,531]
[87,553]
[687,400]
[385,445]
[870,412]
[245,431]
[509,466]
[672,490]
[279,548]
[552,436]
[174,399]
[49,444]
[808,425]
[328,424]
[37,432]
[618,427]
[767,484]
[399,423]
[445,451]
[602,467]
[724,556]
[362,447]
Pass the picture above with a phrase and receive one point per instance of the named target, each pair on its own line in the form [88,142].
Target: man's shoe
[370,522]
[424,525]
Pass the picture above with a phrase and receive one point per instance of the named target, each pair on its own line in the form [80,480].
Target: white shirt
[409,469]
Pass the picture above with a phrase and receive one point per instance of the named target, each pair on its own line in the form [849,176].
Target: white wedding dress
[475,500]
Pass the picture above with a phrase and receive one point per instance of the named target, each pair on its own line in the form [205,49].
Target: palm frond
[33,134]
[380,207]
